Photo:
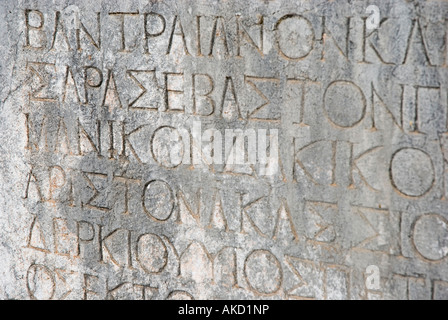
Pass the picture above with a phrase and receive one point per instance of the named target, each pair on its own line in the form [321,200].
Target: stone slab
[223,149]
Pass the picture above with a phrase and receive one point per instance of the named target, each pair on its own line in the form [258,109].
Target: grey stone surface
[117,174]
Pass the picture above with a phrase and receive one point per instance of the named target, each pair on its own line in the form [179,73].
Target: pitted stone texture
[185,149]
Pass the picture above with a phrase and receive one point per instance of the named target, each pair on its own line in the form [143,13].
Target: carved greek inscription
[148,173]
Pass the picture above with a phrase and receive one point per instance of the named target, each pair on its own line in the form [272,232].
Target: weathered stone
[224,149]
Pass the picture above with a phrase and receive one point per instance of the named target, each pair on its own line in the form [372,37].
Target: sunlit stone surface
[223,149]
